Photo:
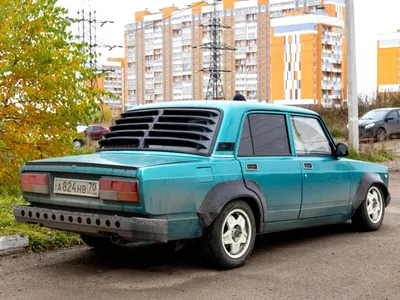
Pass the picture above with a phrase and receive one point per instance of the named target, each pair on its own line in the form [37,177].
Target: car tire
[98,243]
[78,144]
[380,135]
[230,239]
[369,216]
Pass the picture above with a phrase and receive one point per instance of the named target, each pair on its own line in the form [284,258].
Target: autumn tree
[43,84]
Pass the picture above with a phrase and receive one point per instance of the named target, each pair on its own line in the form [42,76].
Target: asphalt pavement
[330,262]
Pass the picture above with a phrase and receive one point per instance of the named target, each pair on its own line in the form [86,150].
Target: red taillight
[119,190]
[35,183]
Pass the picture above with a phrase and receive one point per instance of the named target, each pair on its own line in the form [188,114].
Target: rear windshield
[186,130]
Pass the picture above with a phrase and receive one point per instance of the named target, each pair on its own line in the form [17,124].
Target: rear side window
[264,135]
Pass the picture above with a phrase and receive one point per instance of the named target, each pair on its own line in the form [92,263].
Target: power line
[213,28]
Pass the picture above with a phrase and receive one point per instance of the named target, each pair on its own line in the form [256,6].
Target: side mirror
[389,119]
[341,150]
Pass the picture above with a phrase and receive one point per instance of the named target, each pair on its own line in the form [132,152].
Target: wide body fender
[367,180]
[224,192]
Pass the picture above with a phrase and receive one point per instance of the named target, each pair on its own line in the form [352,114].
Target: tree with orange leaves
[43,94]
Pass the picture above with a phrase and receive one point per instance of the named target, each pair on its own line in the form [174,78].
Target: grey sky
[371,19]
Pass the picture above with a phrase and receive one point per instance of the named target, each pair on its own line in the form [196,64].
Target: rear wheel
[230,239]
[369,216]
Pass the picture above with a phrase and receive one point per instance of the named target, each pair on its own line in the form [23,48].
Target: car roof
[226,105]
[386,109]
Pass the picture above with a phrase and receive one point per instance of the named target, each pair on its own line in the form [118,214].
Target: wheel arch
[225,192]
[368,180]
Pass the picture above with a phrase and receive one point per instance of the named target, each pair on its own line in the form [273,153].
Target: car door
[326,179]
[266,157]
[393,122]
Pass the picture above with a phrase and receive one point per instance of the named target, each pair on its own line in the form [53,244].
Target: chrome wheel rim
[374,205]
[381,135]
[77,144]
[236,233]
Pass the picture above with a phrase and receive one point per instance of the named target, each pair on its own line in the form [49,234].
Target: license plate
[87,188]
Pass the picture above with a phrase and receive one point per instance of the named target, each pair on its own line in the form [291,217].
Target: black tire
[216,253]
[78,144]
[98,243]
[362,219]
[380,135]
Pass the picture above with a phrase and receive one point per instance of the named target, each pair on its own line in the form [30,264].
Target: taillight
[119,190]
[35,183]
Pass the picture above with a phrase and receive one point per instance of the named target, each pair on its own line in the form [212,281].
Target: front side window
[264,135]
[309,137]
[392,114]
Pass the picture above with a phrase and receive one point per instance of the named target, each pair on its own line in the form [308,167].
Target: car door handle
[251,167]
[307,166]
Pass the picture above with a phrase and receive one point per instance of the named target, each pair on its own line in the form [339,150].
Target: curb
[13,244]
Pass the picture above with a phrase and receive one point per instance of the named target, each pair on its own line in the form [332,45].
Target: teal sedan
[220,172]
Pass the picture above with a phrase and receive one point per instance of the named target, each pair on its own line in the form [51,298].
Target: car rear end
[103,194]
[89,199]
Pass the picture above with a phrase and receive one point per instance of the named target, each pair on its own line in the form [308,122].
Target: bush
[372,155]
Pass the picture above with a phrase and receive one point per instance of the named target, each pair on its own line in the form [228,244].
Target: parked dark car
[379,124]
[94,133]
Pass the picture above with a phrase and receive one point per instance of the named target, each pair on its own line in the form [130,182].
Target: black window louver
[170,129]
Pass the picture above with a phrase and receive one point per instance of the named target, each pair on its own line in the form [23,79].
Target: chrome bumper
[134,228]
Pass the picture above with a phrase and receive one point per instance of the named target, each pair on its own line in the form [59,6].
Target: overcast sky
[371,17]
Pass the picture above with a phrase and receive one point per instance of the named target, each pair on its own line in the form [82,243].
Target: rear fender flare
[224,192]
[367,180]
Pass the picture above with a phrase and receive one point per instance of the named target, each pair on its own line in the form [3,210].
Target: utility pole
[213,27]
[352,99]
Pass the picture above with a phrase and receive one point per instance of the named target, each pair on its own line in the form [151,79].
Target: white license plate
[87,188]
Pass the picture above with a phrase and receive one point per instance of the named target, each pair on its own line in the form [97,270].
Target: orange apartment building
[114,81]
[389,62]
[288,52]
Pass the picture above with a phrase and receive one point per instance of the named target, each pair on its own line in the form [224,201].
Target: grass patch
[372,155]
[40,238]
[86,149]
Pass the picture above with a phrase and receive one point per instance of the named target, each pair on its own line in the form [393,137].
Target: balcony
[251,62]
[158,91]
[251,49]
[158,79]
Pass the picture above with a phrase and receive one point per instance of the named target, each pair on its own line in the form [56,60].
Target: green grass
[40,238]
[372,155]
[85,150]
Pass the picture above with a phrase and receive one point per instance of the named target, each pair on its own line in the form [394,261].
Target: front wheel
[381,135]
[78,144]
[230,239]
[369,216]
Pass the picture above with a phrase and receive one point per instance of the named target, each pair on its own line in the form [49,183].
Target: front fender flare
[227,191]
[367,180]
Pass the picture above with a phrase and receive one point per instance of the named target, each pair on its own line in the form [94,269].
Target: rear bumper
[134,228]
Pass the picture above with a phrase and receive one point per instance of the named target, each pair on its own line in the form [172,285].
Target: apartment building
[114,81]
[388,62]
[289,52]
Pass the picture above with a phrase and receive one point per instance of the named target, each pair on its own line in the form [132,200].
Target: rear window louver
[172,129]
